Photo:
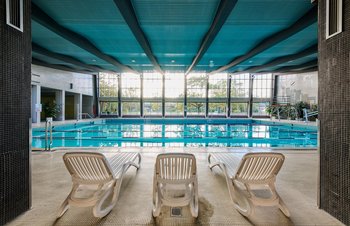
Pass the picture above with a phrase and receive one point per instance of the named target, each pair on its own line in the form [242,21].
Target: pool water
[179,133]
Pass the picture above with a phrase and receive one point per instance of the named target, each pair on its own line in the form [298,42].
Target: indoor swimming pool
[178,133]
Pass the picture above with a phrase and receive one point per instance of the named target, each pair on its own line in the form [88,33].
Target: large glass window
[174,108]
[174,85]
[196,108]
[152,108]
[217,108]
[239,109]
[218,86]
[240,86]
[108,85]
[262,86]
[130,108]
[108,108]
[152,85]
[196,93]
[131,85]
[259,109]
[196,85]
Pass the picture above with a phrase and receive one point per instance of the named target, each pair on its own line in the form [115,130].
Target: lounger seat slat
[175,172]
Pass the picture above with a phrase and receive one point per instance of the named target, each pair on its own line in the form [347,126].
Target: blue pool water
[179,133]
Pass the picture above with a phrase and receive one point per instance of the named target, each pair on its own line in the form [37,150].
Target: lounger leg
[65,205]
[156,202]
[63,208]
[97,210]
[283,208]
[194,201]
[281,205]
[242,203]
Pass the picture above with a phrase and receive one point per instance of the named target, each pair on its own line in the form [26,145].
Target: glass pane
[109,108]
[152,108]
[217,108]
[108,85]
[131,108]
[218,85]
[260,108]
[239,108]
[174,85]
[174,108]
[262,86]
[196,108]
[240,85]
[131,85]
[152,85]
[196,85]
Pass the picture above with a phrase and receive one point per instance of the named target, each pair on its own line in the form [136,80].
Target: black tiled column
[15,99]
[334,115]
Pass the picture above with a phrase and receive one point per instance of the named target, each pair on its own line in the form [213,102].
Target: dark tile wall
[15,93]
[334,108]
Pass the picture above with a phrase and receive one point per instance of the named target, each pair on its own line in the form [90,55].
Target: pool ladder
[48,134]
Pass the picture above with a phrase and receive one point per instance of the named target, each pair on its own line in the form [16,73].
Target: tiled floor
[296,183]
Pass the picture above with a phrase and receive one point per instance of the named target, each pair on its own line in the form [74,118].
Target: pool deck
[296,184]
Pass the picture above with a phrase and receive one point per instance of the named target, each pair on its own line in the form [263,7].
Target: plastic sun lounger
[90,169]
[175,182]
[255,171]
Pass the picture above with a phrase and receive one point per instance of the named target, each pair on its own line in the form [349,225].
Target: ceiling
[175,35]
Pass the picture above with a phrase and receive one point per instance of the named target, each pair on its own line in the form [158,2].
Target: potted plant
[299,106]
[51,109]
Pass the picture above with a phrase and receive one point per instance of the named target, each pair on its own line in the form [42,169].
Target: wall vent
[334,17]
[14,14]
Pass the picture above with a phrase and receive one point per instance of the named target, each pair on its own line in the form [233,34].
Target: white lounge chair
[255,171]
[175,182]
[105,176]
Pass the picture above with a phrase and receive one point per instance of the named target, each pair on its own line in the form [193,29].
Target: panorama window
[240,86]
[174,85]
[131,85]
[174,109]
[152,108]
[131,108]
[196,85]
[152,85]
[218,86]
[239,109]
[262,86]
[108,85]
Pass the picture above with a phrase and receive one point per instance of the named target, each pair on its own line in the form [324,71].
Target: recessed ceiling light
[93,60]
[133,61]
[172,61]
[211,63]
[250,61]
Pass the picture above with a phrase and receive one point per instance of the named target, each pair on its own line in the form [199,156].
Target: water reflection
[180,135]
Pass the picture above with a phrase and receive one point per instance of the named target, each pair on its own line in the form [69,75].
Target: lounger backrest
[88,167]
[259,168]
[175,167]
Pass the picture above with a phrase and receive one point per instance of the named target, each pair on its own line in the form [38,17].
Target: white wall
[61,80]
[300,87]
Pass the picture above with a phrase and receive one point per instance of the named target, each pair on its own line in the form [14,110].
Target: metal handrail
[86,114]
[308,114]
[48,129]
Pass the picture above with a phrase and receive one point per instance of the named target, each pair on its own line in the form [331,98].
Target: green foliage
[51,109]
[299,106]
[286,111]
